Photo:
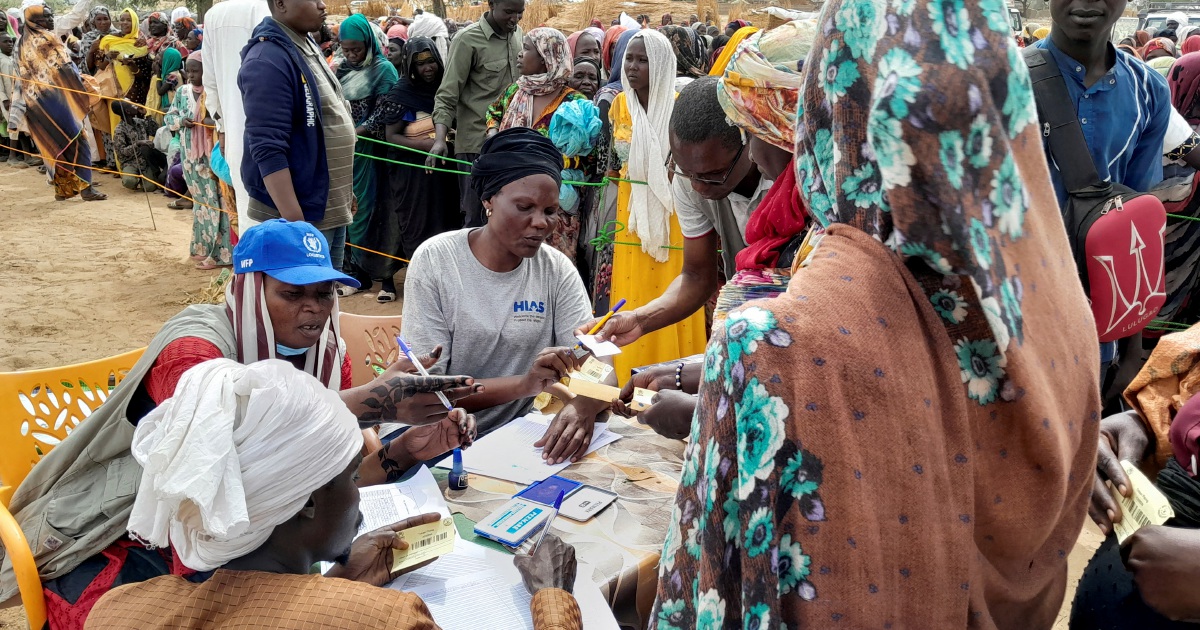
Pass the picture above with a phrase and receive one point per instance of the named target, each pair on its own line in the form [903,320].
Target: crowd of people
[904,412]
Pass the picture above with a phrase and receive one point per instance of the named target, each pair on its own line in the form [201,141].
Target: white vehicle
[1157,14]
[1014,18]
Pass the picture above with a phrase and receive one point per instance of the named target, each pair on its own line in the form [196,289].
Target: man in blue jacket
[299,140]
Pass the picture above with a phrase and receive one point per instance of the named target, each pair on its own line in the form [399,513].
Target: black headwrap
[594,63]
[514,154]
[412,92]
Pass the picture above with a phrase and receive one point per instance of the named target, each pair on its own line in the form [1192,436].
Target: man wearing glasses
[716,186]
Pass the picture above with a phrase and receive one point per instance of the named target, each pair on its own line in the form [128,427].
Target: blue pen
[421,369]
[549,519]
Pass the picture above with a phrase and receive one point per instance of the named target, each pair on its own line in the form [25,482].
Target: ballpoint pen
[550,519]
[421,369]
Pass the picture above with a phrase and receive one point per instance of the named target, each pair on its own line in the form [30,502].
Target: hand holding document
[425,543]
[1146,505]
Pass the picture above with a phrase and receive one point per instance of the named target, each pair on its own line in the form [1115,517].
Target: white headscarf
[650,207]
[234,453]
[180,12]
[433,27]
[1179,18]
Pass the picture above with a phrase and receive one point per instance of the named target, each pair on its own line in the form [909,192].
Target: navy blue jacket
[283,120]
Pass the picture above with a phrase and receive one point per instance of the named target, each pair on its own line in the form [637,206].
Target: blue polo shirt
[1124,118]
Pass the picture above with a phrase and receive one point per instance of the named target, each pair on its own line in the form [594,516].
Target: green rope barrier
[603,182]
[422,166]
[426,154]
[1184,217]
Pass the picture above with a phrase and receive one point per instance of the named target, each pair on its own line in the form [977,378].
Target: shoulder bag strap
[1060,124]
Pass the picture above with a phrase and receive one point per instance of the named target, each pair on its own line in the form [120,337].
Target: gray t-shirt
[490,324]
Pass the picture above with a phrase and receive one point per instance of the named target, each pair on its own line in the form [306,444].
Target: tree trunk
[439,8]
[200,7]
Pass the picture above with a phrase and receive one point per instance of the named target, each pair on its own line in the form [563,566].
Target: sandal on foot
[345,290]
[208,264]
[176,205]
[60,198]
[95,196]
[385,296]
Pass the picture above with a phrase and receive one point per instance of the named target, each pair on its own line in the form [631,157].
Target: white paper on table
[457,586]
[508,452]
[598,348]
[390,503]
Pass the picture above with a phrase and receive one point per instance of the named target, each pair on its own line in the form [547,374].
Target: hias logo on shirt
[529,306]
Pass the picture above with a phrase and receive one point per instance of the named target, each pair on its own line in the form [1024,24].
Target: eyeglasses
[670,165]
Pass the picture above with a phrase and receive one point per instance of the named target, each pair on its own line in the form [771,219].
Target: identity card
[425,542]
[1146,507]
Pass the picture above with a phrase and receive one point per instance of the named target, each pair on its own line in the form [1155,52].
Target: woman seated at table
[495,296]
[75,502]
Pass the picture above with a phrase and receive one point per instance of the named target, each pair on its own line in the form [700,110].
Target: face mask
[285,351]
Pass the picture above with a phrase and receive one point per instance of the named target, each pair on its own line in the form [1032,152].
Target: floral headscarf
[965,213]
[761,86]
[91,34]
[552,45]
[157,44]
[788,512]
[1159,43]
[689,58]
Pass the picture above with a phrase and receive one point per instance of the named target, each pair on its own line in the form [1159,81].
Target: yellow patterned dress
[638,278]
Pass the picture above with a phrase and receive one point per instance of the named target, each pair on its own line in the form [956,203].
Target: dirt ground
[85,280]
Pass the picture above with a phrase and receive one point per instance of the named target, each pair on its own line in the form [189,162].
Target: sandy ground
[85,280]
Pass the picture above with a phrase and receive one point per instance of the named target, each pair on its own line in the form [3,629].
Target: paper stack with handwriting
[1146,507]
[475,588]
[465,578]
[508,452]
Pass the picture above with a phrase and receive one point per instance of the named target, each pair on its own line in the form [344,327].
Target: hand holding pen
[401,381]
[406,351]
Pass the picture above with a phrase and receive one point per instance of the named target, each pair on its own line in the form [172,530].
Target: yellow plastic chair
[38,409]
[370,340]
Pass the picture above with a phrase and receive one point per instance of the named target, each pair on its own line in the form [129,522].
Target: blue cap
[294,252]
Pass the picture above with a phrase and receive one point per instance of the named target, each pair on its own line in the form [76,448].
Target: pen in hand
[407,351]
[550,519]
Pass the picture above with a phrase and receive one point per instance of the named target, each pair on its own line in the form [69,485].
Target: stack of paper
[508,452]
[459,586]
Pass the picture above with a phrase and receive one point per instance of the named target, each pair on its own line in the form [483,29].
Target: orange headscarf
[610,42]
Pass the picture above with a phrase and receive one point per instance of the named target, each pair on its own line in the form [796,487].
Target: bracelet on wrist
[679,376]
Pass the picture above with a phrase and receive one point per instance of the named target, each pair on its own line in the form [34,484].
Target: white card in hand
[598,348]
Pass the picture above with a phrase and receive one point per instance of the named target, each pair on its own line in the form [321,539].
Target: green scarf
[172,61]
